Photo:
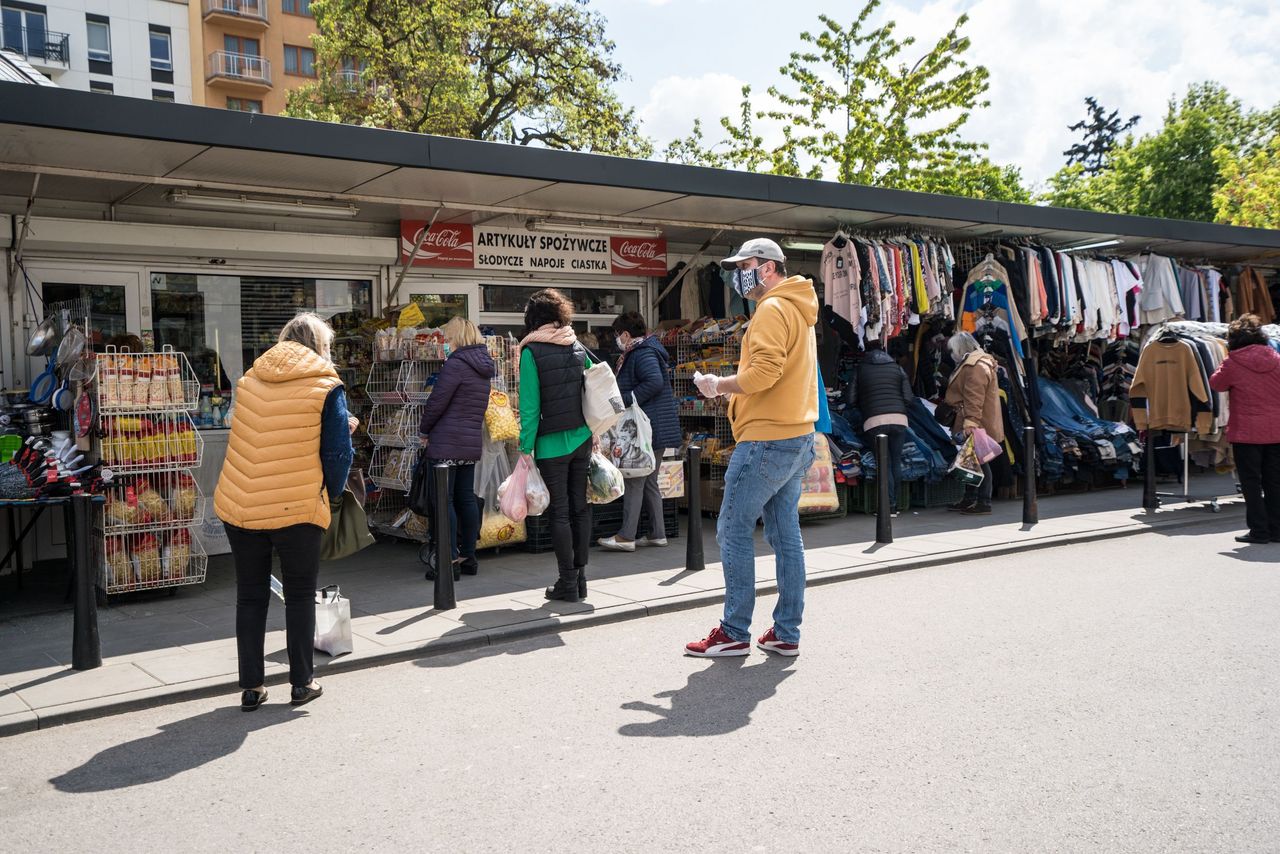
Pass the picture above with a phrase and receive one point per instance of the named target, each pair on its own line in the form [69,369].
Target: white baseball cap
[760,247]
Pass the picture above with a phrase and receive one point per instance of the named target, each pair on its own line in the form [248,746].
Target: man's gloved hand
[708,385]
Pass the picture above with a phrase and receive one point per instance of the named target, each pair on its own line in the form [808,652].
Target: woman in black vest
[883,394]
[554,430]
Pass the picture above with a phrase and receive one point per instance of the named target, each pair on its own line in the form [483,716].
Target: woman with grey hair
[974,394]
[288,457]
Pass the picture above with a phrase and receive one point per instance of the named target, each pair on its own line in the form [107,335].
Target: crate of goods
[606,519]
[939,493]
[863,496]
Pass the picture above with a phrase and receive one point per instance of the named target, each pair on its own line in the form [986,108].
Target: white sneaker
[647,541]
[612,544]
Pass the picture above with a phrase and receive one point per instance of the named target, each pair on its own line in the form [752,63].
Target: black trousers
[299,549]
[464,511]
[566,479]
[1258,467]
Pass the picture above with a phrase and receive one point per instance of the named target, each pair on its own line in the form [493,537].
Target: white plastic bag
[536,495]
[601,400]
[630,444]
[604,481]
[333,622]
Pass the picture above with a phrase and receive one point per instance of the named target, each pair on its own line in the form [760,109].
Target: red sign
[449,244]
[638,256]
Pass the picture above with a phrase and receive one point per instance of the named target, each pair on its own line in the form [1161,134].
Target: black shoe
[251,700]
[303,694]
[978,508]
[963,504]
[582,583]
[469,566]
[1250,538]
[563,591]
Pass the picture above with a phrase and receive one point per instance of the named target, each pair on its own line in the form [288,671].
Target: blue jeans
[897,437]
[764,480]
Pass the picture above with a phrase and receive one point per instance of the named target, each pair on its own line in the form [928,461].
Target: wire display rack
[416,378]
[706,421]
[152,560]
[152,502]
[392,468]
[389,514]
[146,382]
[395,425]
[383,385]
[156,442]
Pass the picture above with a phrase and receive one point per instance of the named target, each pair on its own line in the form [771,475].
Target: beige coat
[974,391]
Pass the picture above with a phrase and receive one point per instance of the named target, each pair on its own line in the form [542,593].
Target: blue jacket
[461,392]
[645,378]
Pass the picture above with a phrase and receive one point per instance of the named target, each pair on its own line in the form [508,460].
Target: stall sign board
[461,245]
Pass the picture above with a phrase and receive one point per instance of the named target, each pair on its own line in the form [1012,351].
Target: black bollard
[86,651]
[1150,501]
[693,557]
[1030,509]
[444,598]
[884,522]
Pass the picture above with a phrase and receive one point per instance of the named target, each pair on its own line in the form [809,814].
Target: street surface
[1117,696]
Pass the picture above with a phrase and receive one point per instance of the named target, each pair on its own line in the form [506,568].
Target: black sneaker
[963,504]
[978,508]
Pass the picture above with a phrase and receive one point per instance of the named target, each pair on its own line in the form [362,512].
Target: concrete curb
[20,722]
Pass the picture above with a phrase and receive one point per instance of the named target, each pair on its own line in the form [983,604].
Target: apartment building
[140,48]
[252,52]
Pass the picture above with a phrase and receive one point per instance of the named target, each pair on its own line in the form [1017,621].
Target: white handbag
[601,400]
[333,622]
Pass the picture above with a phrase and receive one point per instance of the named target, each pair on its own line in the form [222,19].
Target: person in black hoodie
[461,391]
[883,393]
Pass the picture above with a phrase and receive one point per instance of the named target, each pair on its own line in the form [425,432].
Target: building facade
[139,48]
[248,54]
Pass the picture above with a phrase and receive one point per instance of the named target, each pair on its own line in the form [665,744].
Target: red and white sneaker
[717,645]
[770,643]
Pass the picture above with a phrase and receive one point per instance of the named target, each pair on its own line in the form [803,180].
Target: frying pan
[44,338]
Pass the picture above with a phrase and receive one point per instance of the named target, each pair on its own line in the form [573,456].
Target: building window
[244,105]
[242,46]
[99,39]
[297,7]
[300,61]
[162,95]
[24,30]
[101,87]
[161,49]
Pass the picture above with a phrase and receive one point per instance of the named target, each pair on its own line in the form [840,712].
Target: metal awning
[99,153]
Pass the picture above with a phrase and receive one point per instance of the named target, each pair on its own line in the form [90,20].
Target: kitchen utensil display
[44,339]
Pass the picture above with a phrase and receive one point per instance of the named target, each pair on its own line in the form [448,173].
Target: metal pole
[884,523]
[1150,501]
[444,598]
[693,557]
[86,652]
[1030,510]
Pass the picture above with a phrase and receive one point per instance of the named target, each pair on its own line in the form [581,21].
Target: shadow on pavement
[715,701]
[1258,553]
[179,746]
[478,621]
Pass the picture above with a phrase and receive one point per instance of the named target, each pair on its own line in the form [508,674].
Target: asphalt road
[1122,696]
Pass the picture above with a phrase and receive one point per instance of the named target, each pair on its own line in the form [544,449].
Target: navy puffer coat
[645,377]
[453,417]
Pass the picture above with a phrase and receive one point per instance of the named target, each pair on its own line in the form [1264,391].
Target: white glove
[708,384]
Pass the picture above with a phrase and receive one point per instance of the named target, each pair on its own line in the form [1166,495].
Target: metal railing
[253,10]
[42,46]
[239,66]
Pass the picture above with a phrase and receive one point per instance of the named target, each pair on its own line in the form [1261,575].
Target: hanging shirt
[840,277]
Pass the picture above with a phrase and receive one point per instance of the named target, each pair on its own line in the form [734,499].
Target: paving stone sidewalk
[158,648]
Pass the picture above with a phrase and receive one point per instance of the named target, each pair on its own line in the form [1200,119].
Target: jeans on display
[464,510]
[982,491]
[299,549]
[1258,467]
[566,479]
[643,492]
[897,435]
[764,480]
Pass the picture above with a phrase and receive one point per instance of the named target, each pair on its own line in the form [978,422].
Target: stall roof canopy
[127,152]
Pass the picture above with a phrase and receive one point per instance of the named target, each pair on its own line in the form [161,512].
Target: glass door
[113,301]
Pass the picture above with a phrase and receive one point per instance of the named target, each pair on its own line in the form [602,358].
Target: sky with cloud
[689,59]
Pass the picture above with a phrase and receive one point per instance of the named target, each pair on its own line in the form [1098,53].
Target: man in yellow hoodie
[773,405]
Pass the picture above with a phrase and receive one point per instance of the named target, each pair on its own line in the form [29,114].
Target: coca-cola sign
[638,256]
[448,244]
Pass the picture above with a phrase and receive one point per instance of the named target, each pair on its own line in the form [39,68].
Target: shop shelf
[392,468]
[150,561]
[383,385]
[160,501]
[395,425]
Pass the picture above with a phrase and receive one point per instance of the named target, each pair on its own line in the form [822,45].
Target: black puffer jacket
[882,387]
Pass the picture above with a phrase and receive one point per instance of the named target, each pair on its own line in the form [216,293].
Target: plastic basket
[863,496]
[937,493]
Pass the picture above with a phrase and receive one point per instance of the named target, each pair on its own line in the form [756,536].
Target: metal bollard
[884,522]
[1150,501]
[444,598]
[1030,508]
[693,557]
[86,651]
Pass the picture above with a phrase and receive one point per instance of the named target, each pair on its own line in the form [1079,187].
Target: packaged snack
[150,500]
[119,568]
[184,497]
[147,555]
[177,394]
[142,384]
[177,561]
[158,397]
[125,377]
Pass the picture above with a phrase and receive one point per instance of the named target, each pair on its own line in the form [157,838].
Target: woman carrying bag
[644,379]
[452,429]
[288,457]
[553,429]
[974,394]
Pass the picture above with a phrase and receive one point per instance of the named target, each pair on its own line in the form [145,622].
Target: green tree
[522,71]
[1250,190]
[1100,131]
[852,111]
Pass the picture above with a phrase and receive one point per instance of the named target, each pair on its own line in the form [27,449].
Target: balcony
[48,51]
[252,13]
[239,70]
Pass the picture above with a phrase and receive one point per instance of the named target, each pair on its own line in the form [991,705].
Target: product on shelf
[184,497]
[150,500]
[119,569]
[177,555]
[146,556]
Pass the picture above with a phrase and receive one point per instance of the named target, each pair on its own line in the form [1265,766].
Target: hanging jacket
[882,389]
[1251,376]
[644,377]
[1166,383]
[1254,298]
[462,393]
[272,477]
[974,393]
